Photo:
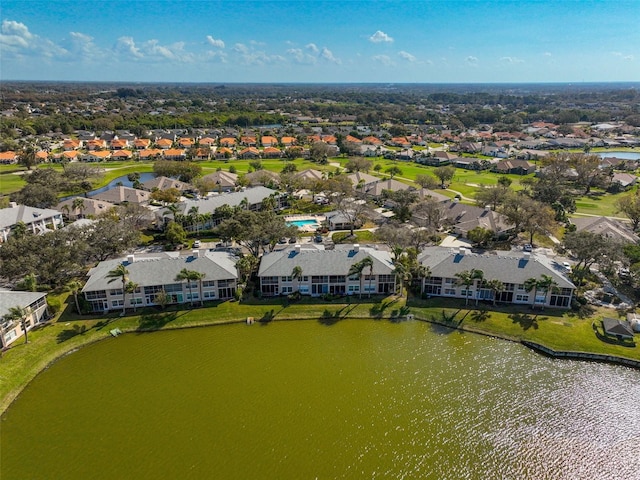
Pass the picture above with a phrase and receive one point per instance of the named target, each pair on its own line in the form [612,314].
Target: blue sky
[321,41]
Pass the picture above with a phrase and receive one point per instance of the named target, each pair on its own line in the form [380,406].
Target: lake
[624,155]
[303,400]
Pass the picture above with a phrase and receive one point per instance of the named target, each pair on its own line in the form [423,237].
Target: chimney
[195,253]
[526,255]
[297,248]
[356,247]
[131,258]
[13,204]
[463,251]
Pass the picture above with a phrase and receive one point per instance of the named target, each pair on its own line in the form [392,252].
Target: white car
[567,266]
[196,244]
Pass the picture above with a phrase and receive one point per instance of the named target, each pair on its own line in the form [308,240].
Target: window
[208,283]
[135,301]
[450,281]
[286,279]
[115,291]
[152,289]
[449,291]
[231,282]
[286,290]
[520,286]
[116,303]
[305,278]
[354,288]
[192,285]
[304,288]
[209,294]
[522,298]
[269,280]
[100,294]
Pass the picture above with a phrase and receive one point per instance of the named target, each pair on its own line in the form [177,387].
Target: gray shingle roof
[11,298]
[163,269]
[323,262]
[512,268]
[21,213]
[253,195]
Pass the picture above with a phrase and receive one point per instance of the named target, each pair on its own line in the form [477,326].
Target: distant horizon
[321,41]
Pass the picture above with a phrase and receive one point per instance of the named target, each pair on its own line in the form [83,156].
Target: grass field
[555,329]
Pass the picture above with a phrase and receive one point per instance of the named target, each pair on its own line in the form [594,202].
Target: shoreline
[11,396]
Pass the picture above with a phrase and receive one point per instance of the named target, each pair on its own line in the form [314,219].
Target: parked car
[567,266]
[527,247]
[196,244]
[317,239]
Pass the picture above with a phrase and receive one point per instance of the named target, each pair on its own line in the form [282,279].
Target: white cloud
[152,50]
[380,37]
[471,60]
[251,56]
[511,60]
[241,48]
[547,54]
[328,55]
[215,42]
[127,46]
[622,55]
[81,45]
[407,56]
[312,47]
[384,60]
[301,57]
[16,39]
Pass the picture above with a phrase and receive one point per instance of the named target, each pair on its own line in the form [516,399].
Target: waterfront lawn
[557,329]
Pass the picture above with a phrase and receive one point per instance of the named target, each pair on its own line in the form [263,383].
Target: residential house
[35,304]
[164,143]
[271,152]
[185,142]
[150,153]
[361,181]
[377,189]
[141,143]
[268,141]
[96,144]
[37,220]
[208,142]
[249,153]
[288,141]
[164,183]
[227,142]
[176,154]
[122,155]
[512,269]
[326,271]
[248,141]
[514,166]
[224,181]
[262,177]
[96,156]
[223,153]
[71,144]
[625,180]
[339,220]
[606,227]
[82,207]
[8,157]
[463,218]
[157,273]
[309,175]
[250,198]
[119,143]
[122,194]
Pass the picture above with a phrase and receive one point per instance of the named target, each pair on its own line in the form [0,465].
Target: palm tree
[403,273]
[78,205]
[532,284]
[194,218]
[190,276]
[496,286]
[74,286]
[356,269]
[131,288]
[296,274]
[18,314]
[479,276]
[173,211]
[199,276]
[467,278]
[368,262]
[120,273]
[547,284]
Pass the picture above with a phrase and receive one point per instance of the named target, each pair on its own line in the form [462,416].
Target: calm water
[300,400]
[625,155]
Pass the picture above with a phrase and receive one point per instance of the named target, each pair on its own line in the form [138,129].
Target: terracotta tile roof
[71,154]
[353,139]
[252,150]
[142,142]
[372,140]
[101,154]
[223,151]
[42,155]
[288,140]
[313,138]
[164,142]
[269,140]
[9,155]
[121,154]
[185,142]
[96,143]
[207,141]
[175,152]
[227,141]
[330,139]
[71,143]
[150,152]
[119,143]
[248,140]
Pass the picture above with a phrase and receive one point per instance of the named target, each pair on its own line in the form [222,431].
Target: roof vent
[462,251]
[131,258]
[297,247]
[195,253]
[356,247]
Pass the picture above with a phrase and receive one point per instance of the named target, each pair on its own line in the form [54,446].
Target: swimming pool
[302,223]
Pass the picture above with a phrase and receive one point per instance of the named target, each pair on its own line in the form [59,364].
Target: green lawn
[361,236]
[555,329]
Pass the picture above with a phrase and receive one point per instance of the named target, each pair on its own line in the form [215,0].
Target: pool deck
[318,219]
